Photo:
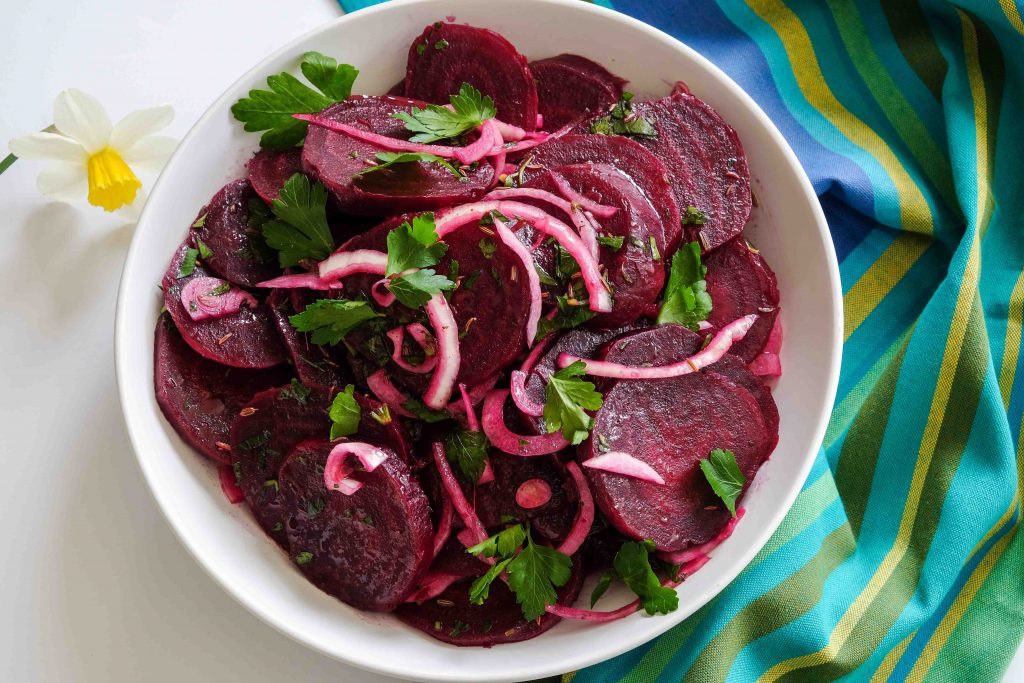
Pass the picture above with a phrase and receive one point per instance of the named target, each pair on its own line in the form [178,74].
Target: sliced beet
[705,159]
[496,500]
[239,254]
[452,618]
[625,154]
[263,433]
[733,368]
[390,434]
[246,339]
[269,170]
[317,367]
[447,55]
[571,88]
[635,274]
[337,159]
[656,345]
[582,342]
[367,549]
[740,282]
[201,398]
[671,424]
[490,305]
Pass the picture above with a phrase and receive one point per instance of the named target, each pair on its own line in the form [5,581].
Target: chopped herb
[487,248]
[204,251]
[330,320]
[301,230]
[602,443]
[632,564]
[725,476]
[421,48]
[200,222]
[222,288]
[615,242]
[470,280]
[453,270]
[469,109]
[622,120]
[655,252]
[296,391]
[568,397]
[237,469]
[344,413]
[569,316]
[421,411]
[387,159]
[188,264]
[694,216]
[271,110]
[543,276]
[315,507]
[305,557]
[381,415]
[686,300]
[602,587]
[467,450]
[272,484]
[441,44]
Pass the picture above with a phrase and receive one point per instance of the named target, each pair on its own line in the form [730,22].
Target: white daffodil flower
[94,158]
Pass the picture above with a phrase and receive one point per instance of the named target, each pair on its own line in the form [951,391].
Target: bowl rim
[569,660]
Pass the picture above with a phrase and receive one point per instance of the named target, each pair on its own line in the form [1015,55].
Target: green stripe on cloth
[900,559]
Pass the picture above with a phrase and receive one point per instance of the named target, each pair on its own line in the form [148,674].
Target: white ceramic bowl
[788,227]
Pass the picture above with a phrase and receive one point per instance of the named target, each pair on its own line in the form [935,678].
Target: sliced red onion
[431,585]
[766,365]
[382,141]
[584,517]
[712,353]
[509,169]
[526,405]
[343,263]
[299,281]
[599,210]
[475,528]
[510,442]
[533,493]
[444,526]
[584,226]
[535,354]
[381,294]
[386,392]
[508,238]
[540,121]
[693,565]
[507,131]
[338,468]
[477,393]
[229,485]
[498,162]
[467,404]
[488,139]
[592,615]
[211,297]
[451,219]
[446,331]
[487,476]
[397,336]
[624,464]
[536,139]
[696,552]
[704,326]
[774,343]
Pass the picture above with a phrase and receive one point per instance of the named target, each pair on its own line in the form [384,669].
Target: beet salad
[464,345]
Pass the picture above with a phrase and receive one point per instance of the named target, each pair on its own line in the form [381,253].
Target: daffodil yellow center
[111,183]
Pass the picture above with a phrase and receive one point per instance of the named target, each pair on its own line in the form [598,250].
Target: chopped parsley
[200,222]
[693,216]
[602,586]
[467,450]
[271,110]
[568,397]
[296,391]
[204,251]
[388,159]
[725,477]
[305,557]
[344,414]
[615,242]
[622,120]
[686,300]
[487,248]
[300,230]
[632,564]
[469,109]
[329,320]
[421,411]
[188,264]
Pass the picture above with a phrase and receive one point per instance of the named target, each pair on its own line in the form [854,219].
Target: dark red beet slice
[490,305]
[705,159]
[740,282]
[316,366]
[201,398]
[262,434]
[733,368]
[335,159]
[368,549]
[671,424]
[246,339]
[656,345]
[452,618]
[269,169]
[571,88]
[635,275]
[390,434]
[582,342]
[496,500]
[238,253]
[624,154]
[446,55]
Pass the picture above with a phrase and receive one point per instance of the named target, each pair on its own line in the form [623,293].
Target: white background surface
[93,585]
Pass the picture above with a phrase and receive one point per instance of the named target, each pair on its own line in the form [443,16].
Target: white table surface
[93,586]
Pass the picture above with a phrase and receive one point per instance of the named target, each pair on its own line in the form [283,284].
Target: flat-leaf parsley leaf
[344,414]
[632,565]
[329,320]
[469,109]
[686,301]
[301,230]
[568,397]
[387,159]
[725,476]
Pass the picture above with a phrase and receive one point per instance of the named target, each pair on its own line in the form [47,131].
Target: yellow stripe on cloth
[880,279]
[1011,348]
[1013,14]
[890,661]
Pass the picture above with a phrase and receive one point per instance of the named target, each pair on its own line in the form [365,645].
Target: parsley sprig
[724,475]
[329,320]
[467,450]
[632,564]
[686,301]
[469,109]
[344,413]
[534,571]
[387,159]
[414,246]
[271,110]
[300,230]
[568,397]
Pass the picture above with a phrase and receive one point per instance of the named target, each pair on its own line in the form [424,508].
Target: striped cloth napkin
[900,558]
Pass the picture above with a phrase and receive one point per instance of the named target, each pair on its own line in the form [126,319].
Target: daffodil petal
[64,182]
[150,153]
[137,125]
[79,115]
[47,146]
